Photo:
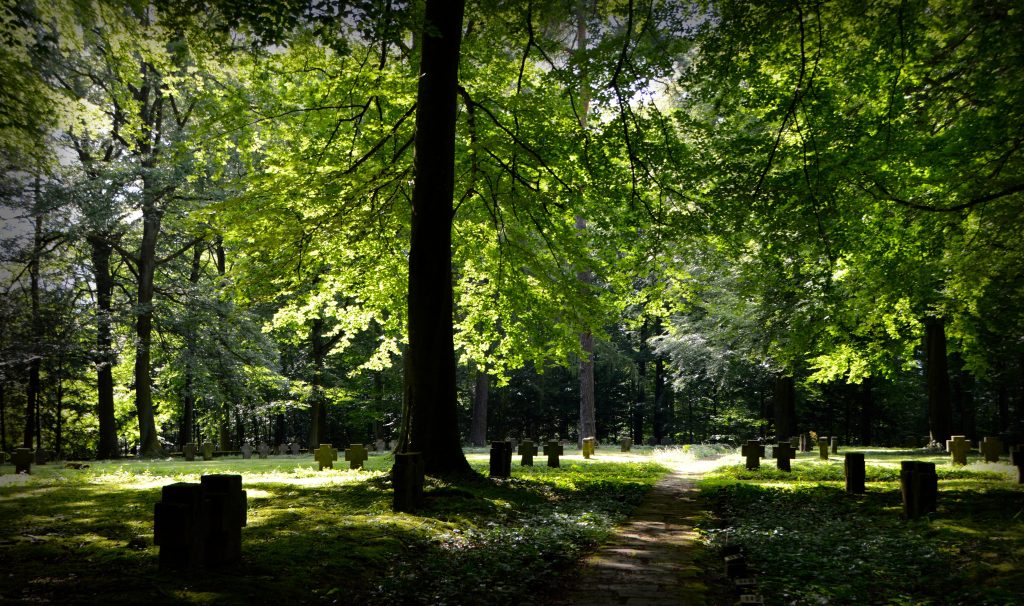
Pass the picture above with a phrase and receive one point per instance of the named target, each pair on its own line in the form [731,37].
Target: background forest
[674,222]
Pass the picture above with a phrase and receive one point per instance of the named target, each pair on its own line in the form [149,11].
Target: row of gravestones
[263,450]
[24,458]
[501,454]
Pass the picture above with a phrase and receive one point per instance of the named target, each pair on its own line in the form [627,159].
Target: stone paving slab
[650,559]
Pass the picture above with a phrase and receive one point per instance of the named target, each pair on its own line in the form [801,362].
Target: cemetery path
[652,558]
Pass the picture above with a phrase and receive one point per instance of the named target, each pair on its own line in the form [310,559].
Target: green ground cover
[811,543]
[85,536]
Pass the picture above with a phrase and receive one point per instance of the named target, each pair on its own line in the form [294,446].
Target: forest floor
[85,536]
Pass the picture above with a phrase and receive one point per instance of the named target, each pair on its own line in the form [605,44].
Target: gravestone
[753,451]
[823,448]
[528,451]
[263,450]
[407,479]
[514,442]
[958,447]
[326,456]
[652,442]
[625,444]
[200,525]
[282,449]
[991,447]
[247,451]
[355,454]
[782,453]
[379,445]
[919,486]
[553,450]
[22,460]
[588,447]
[189,451]
[835,445]
[501,459]
[735,565]
[751,598]
[41,456]
[853,469]
[295,448]
[393,444]
[207,451]
[3,457]
[1017,458]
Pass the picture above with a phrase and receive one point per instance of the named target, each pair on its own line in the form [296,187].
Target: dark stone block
[501,459]
[853,467]
[919,486]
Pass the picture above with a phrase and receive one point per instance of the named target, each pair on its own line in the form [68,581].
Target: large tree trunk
[785,407]
[188,396]
[867,411]
[35,360]
[940,411]
[637,420]
[478,429]
[430,422]
[101,248]
[149,444]
[318,407]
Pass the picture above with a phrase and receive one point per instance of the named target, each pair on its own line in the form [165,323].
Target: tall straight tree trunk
[318,407]
[35,361]
[101,248]
[588,406]
[188,396]
[637,420]
[430,420]
[785,407]
[478,428]
[149,445]
[940,411]
[867,411]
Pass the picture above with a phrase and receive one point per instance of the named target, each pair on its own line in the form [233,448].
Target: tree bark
[478,429]
[640,405]
[35,353]
[867,411]
[149,445]
[101,249]
[430,423]
[318,407]
[188,396]
[785,407]
[940,411]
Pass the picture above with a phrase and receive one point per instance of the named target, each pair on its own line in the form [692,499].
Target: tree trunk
[58,406]
[659,421]
[430,419]
[101,248]
[785,407]
[640,405]
[149,444]
[35,360]
[962,398]
[318,407]
[940,411]
[188,396]
[867,411]
[478,429]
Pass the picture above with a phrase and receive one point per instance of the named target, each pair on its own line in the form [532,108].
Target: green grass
[811,543]
[85,536]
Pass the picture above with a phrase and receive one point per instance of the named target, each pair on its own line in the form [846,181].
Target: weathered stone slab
[282,449]
[625,444]
[23,459]
[407,479]
[247,451]
[41,456]
[380,445]
[207,451]
[263,450]
[294,448]
[200,525]
[919,486]
[189,451]
[992,449]
[835,445]
[823,449]
[501,459]
[588,447]
[854,470]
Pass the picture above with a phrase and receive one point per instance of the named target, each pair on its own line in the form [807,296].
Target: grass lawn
[811,543]
[85,536]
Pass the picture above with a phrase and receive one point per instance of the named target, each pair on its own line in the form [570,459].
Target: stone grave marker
[22,460]
[919,486]
[282,449]
[207,451]
[379,445]
[528,450]
[393,444]
[326,456]
[958,447]
[782,453]
[853,469]
[501,459]
[553,450]
[652,442]
[823,448]
[355,454]
[992,448]
[753,451]
[41,456]
[247,451]
[197,525]
[835,445]
[294,448]
[625,444]
[751,598]
[3,457]
[514,442]
[407,479]
[189,451]
[263,450]
[736,565]
[588,447]
[1017,458]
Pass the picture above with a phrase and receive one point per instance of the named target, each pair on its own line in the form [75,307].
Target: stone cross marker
[958,448]
[753,450]
[207,451]
[246,451]
[625,444]
[783,452]
[991,448]
[835,445]
[264,450]
[853,468]
[553,450]
[528,450]
[823,448]
[294,447]
[326,456]
[282,449]
[22,460]
[501,459]
[919,486]
[189,451]
[588,447]
[355,454]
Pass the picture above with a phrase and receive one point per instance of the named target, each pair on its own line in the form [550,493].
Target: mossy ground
[812,543]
